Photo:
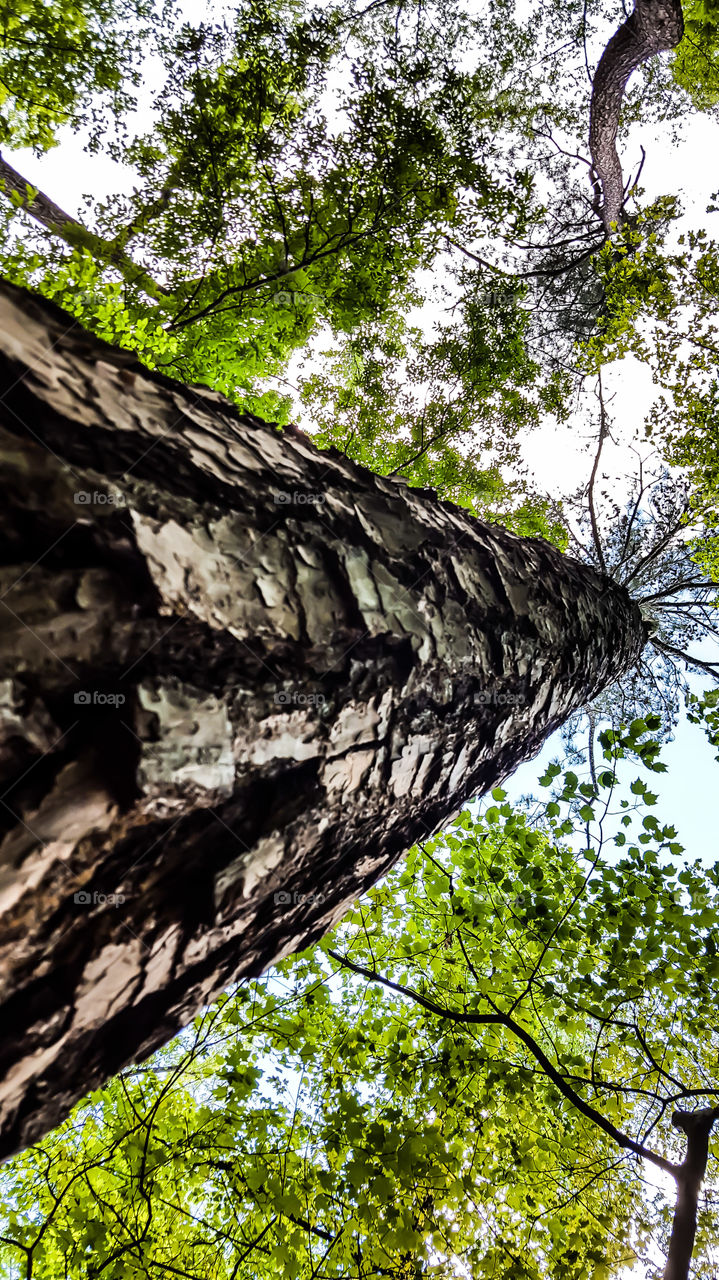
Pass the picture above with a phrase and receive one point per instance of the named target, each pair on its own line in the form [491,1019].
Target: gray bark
[44,210]
[697,1125]
[290,668]
[39,206]
[654,26]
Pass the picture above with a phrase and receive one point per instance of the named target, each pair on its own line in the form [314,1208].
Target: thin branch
[502,1019]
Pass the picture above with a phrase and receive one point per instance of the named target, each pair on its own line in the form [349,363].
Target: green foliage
[438,1087]
[638,281]
[429,410]
[683,348]
[75,281]
[704,710]
[695,65]
[68,63]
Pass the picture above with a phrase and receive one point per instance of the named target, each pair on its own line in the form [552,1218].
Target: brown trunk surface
[655,26]
[238,679]
[697,1125]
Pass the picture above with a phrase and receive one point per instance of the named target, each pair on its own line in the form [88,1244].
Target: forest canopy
[416,233]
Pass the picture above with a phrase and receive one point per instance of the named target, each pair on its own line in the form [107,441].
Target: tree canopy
[468,1077]
[421,228]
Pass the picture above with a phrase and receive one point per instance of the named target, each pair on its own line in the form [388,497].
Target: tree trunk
[239,678]
[44,210]
[697,1125]
[654,27]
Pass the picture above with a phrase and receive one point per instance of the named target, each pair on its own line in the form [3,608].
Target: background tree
[72,64]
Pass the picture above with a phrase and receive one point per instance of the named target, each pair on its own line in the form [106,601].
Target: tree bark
[654,26]
[697,1125]
[39,206]
[239,678]
[44,210]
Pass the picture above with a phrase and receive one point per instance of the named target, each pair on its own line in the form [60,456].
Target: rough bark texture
[655,26]
[239,678]
[697,1125]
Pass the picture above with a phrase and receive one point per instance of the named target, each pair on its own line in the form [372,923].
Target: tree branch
[503,1019]
[74,233]
[590,487]
[697,1125]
